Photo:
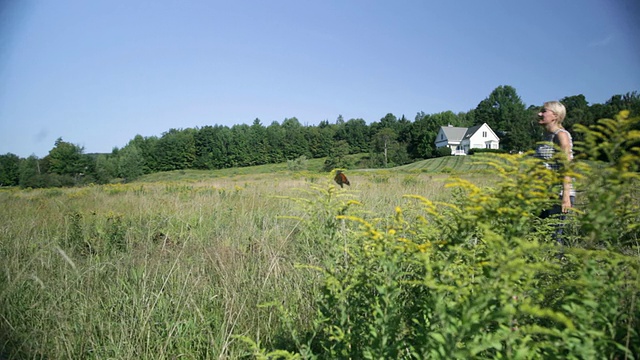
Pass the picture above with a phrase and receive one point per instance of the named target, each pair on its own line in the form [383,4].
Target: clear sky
[99,72]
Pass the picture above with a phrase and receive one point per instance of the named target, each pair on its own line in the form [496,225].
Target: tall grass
[482,276]
[402,264]
[165,269]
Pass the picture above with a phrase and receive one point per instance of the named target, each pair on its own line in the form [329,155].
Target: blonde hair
[557,108]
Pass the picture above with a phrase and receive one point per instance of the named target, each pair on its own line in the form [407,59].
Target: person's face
[546,116]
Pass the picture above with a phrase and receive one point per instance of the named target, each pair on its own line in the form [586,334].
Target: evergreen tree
[320,141]
[240,146]
[295,141]
[337,157]
[276,138]
[259,144]
[212,144]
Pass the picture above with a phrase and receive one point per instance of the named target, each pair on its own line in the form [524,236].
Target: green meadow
[443,258]
[178,262]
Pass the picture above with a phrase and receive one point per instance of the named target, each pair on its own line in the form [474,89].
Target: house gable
[450,135]
[483,138]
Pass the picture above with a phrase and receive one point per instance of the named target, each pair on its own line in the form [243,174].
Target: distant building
[460,140]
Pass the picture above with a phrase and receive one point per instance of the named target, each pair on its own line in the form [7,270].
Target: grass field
[132,270]
[447,164]
[181,264]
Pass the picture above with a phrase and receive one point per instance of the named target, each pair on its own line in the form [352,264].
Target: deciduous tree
[66,159]
[31,173]
[175,150]
[130,162]
[505,113]
[383,142]
[577,113]
[9,169]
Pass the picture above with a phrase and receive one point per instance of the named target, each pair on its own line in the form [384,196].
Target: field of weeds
[411,262]
[156,269]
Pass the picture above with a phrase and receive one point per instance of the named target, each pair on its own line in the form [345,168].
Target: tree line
[388,142]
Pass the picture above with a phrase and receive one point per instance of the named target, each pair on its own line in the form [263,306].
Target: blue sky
[99,72]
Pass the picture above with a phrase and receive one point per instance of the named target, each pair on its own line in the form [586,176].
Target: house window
[484,134]
[441,136]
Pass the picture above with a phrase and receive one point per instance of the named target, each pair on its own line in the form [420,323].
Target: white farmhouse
[460,140]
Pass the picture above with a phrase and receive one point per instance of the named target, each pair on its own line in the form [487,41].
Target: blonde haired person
[550,117]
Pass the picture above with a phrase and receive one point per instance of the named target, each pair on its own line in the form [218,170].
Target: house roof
[454,133]
[460,133]
[472,130]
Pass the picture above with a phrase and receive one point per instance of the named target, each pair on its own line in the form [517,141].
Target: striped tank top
[546,150]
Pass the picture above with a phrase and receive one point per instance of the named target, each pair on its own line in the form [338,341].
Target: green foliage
[178,268]
[106,168]
[9,170]
[384,145]
[130,163]
[298,164]
[75,238]
[443,151]
[410,180]
[320,141]
[391,142]
[64,158]
[31,174]
[175,150]
[116,232]
[67,165]
[319,207]
[505,112]
[337,157]
[612,191]
[356,134]
[210,143]
[480,277]
[577,113]
[389,139]
[490,151]
[425,129]
[295,143]
[145,271]
[380,178]
[148,147]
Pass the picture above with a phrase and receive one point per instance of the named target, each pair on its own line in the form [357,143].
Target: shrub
[480,277]
[442,151]
[380,179]
[410,180]
[490,151]
[298,164]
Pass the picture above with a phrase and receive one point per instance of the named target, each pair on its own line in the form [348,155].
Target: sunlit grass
[183,264]
[176,263]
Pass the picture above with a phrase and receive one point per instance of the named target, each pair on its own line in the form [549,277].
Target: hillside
[446,164]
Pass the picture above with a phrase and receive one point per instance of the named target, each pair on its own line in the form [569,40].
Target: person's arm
[565,145]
